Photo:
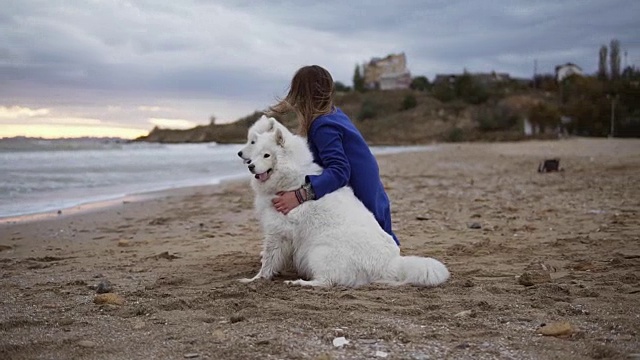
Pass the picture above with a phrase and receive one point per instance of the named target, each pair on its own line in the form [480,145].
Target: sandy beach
[525,249]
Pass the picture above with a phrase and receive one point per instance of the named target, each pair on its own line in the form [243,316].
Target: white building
[566,70]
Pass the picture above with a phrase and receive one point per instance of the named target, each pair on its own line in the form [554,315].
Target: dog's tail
[415,270]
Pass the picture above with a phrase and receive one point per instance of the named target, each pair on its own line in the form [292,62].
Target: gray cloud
[68,53]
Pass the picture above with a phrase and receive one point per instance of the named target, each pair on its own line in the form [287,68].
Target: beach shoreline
[102,205]
[483,209]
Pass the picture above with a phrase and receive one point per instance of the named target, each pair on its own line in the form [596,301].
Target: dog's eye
[266,155]
[252,142]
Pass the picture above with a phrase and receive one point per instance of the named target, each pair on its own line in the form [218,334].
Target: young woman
[336,144]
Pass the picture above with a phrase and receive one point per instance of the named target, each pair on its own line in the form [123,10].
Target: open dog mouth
[264,176]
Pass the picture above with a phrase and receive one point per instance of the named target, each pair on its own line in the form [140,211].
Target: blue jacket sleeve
[337,169]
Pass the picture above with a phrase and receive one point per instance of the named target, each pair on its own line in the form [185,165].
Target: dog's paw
[246,280]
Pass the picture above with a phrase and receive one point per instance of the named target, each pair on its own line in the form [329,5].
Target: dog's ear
[279,138]
[272,124]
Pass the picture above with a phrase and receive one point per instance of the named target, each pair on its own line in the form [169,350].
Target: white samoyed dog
[265,124]
[334,240]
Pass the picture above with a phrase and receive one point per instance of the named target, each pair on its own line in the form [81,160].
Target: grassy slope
[430,120]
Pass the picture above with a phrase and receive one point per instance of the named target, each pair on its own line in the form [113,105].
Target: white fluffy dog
[265,124]
[334,240]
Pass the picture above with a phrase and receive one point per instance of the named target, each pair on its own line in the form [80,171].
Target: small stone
[468,283]
[191,355]
[556,329]
[65,321]
[104,287]
[530,278]
[59,212]
[340,342]
[86,343]
[464,313]
[109,299]
[381,354]
[420,356]
[123,243]
[475,225]
[236,318]
[338,332]
[218,334]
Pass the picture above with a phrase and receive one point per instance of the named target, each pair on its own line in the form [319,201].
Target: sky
[119,68]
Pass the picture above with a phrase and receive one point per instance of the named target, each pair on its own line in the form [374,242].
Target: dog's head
[263,125]
[271,163]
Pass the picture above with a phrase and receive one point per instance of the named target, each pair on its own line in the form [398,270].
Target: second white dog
[334,240]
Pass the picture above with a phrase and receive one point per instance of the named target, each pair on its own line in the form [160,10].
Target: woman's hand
[286,201]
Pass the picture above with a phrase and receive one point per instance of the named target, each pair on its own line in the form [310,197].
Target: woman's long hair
[310,95]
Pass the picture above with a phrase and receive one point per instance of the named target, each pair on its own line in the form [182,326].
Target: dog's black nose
[240,153]
[252,166]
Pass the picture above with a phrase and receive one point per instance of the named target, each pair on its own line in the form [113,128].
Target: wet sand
[524,248]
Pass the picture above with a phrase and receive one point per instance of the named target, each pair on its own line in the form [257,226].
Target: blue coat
[340,149]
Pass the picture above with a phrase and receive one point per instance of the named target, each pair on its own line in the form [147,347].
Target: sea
[40,176]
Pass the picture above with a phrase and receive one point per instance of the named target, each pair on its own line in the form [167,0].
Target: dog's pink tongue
[263,177]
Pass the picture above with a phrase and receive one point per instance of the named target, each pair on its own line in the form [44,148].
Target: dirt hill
[386,118]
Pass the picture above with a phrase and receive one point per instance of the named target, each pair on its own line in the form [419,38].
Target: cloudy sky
[116,67]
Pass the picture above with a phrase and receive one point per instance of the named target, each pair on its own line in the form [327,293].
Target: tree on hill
[340,87]
[358,80]
[420,83]
[614,59]
[602,63]
[470,90]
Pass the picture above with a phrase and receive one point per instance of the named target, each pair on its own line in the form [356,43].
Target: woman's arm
[337,169]
[336,173]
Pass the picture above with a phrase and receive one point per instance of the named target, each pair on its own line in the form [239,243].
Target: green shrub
[367,111]
[495,118]
[409,102]
[456,134]
[443,92]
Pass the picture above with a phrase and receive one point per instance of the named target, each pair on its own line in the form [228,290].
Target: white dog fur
[334,240]
[265,124]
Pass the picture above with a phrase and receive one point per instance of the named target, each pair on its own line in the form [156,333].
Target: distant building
[566,70]
[387,73]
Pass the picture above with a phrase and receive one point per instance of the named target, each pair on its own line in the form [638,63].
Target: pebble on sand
[562,328]
[86,343]
[340,341]
[530,278]
[191,355]
[123,243]
[109,298]
[464,313]
[236,318]
[104,287]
